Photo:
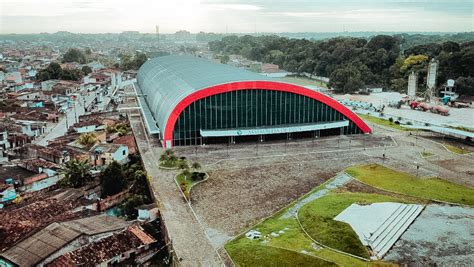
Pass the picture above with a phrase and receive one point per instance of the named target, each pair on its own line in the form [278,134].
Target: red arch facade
[262,85]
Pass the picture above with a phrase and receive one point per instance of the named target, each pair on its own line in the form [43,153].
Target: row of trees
[352,63]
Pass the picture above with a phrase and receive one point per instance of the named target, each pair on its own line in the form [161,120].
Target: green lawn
[400,182]
[317,219]
[303,81]
[187,181]
[426,154]
[456,149]
[383,122]
[286,249]
[258,255]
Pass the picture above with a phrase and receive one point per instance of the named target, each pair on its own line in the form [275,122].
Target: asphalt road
[72,116]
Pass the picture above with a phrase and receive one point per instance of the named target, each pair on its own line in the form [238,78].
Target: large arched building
[189,101]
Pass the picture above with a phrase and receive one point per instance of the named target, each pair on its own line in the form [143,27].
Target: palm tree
[169,152]
[183,165]
[87,139]
[76,173]
[196,166]
[172,158]
[163,157]
[186,173]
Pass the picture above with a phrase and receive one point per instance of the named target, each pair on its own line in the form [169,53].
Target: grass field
[317,219]
[290,248]
[383,122]
[303,81]
[456,149]
[257,255]
[429,188]
[426,154]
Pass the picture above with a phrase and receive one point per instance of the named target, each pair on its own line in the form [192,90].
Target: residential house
[45,245]
[104,154]
[148,212]
[129,141]
[4,144]
[48,85]
[88,126]
[134,246]
[66,87]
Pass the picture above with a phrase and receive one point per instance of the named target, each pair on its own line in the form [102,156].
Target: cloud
[25,16]
[240,7]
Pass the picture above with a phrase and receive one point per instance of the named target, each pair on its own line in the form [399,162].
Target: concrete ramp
[380,225]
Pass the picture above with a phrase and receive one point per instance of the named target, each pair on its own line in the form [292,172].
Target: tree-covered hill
[352,63]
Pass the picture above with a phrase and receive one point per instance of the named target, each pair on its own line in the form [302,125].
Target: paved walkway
[338,181]
[187,235]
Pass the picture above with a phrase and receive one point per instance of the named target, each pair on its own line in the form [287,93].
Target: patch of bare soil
[232,200]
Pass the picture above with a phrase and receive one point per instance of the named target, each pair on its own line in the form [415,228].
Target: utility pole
[75,112]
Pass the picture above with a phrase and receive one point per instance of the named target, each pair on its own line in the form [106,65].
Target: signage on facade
[274,130]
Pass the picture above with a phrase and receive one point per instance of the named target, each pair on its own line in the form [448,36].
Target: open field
[428,188]
[283,232]
[303,81]
[458,117]
[317,219]
[249,182]
[384,122]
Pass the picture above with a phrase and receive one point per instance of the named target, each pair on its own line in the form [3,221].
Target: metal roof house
[186,99]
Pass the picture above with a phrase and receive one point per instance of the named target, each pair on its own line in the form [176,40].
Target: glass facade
[252,109]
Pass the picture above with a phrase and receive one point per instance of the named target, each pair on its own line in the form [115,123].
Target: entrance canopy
[274,130]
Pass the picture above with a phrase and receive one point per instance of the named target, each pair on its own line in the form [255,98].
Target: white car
[253,234]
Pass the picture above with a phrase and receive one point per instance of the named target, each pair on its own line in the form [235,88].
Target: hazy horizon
[235,16]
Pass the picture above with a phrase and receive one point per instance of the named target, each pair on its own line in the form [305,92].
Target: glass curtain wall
[252,109]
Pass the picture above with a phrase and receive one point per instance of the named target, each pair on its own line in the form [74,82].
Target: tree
[52,71]
[196,166]
[86,70]
[71,74]
[130,204]
[163,157]
[112,179]
[140,185]
[169,152]
[346,79]
[87,139]
[74,55]
[464,86]
[183,165]
[186,173]
[76,173]
[128,62]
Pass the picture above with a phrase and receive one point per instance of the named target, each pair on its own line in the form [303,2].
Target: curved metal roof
[167,80]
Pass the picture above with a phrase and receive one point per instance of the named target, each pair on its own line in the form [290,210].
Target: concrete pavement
[188,238]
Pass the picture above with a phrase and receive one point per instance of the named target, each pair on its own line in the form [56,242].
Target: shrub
[409,123]
[390,119]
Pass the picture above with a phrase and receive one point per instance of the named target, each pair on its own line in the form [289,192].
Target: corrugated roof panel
[167,80]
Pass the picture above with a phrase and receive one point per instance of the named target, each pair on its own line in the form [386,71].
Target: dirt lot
[248,184]
[246,188]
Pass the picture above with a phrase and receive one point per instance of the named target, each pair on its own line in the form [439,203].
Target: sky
[243,16]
